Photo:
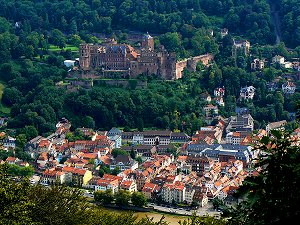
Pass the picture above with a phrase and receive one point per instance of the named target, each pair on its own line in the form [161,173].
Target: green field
[54,48]
[3,109]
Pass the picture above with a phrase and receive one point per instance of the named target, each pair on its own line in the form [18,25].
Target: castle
[122,59]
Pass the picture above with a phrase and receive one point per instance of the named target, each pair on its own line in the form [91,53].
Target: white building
[279,125]
[129,185]
[173,192]
[211,110]
[288,88]
[233,138]
[9,142]
[224,32]
[247,92]
[220,101]
[106,183]
[219,92]
[258,64]
[138,138]
[69,63]
[189,194]
[278,59]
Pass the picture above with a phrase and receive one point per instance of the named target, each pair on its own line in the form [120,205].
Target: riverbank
[172,219]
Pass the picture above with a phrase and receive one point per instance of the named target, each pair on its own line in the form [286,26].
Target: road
[201,211]
[275,21]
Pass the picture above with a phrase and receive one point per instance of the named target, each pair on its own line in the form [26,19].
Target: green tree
[115,152]
[75,40]
[171,41]
[58,205]
[89,122]
[194,220]
[15,205]
[4,25]
[16,170]
[271,197]
[138,199]
[21,140]
[116,170]
[104,197]
[133,154]
[122,198]
[30,132]
[58,38]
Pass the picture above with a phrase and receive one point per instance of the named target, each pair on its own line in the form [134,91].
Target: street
[201,211]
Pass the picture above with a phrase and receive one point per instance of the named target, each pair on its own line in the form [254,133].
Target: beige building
[173,192]
[128,185]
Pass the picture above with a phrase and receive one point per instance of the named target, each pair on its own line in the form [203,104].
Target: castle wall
[180,67]
[116,57]
[191,64]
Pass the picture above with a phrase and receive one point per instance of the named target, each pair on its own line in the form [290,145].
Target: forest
[248,18]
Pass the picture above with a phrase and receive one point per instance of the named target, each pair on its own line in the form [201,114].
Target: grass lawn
[54,48]
[3,109]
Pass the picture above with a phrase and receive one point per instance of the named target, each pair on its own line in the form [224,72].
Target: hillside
[250,19]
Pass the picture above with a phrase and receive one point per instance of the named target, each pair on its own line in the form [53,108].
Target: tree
[30,132]
[171,41]
[217,203]
[138,199]
[58,38]
[104,197]
[139,159]
[4,25]
[73,27]
[116,171]
[271,196]
[15,205]
[21,140]
[89,122]
[15,170]
[194,220]
[133,154]
[122,198]
[117,152]
[11,96]
[58,205]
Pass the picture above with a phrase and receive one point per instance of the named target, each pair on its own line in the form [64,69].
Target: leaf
[265,140]
[276,133]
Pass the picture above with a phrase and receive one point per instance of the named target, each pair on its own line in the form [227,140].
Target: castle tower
[148,42]
[84,57]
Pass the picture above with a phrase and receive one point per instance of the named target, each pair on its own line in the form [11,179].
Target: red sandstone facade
[111,57]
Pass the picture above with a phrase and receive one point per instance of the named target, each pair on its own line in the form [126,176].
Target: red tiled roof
[126,184]
[89,155]
[149,187]
[11,159]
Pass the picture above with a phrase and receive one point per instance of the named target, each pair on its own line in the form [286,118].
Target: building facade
[113,59]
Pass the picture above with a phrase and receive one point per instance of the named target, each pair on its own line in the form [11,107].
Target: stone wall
[191,64]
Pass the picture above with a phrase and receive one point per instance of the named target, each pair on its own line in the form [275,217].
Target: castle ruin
[113,58]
